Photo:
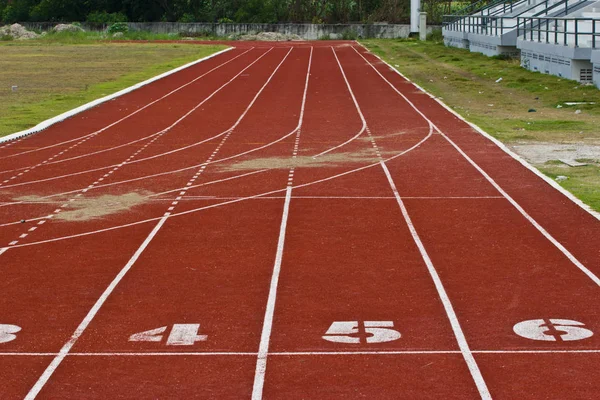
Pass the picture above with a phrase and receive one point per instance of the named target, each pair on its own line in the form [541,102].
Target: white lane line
[165,130]
[301,353]
[261,363]
[265,338]
[58,359]
[529,218]
[261,198]
[521,210]
[456,328]
[364,123]
[339,198]
[140,109]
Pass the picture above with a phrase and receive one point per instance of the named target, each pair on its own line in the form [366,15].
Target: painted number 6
[7,333]
[361,332]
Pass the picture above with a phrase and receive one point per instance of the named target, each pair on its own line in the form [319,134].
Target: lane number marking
[7,332]
[361,332]
[552,330]
[181,335]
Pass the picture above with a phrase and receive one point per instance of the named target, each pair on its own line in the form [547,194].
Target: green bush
[118,27]
[100,18]
[187,18]
[349,34]
[225,20]
[6,38]
[436,36]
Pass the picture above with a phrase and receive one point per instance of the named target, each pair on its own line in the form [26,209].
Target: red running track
[289,221]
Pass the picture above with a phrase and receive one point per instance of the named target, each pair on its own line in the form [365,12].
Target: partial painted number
[361,332]
[7,332]
[552,330]
[181,335]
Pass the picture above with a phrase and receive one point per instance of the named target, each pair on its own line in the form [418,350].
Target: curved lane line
[167,129]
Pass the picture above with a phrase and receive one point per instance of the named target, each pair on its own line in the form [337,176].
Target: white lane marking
[521,210]
[261,363]
[84,155]
[364,123]
[188,198]
[498,143]
[529,218]
[37,387]
[456,328]
[45,124]
[167,129]
[301,353]
[265,338]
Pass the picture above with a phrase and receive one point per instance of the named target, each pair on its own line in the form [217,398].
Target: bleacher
[560,37]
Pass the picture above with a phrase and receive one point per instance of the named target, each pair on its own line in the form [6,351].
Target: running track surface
[289,221]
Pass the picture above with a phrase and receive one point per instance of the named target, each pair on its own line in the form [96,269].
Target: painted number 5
[361,332]
[7,333]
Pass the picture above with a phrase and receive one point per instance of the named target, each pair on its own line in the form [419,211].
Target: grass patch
[583,182]
[54,77]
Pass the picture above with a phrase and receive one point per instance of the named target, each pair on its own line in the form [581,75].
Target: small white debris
[561,178]
[577,111]
[559,106]
[498,80]
[14,88]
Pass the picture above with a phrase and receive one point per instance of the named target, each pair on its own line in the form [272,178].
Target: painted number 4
[362,332]
[181,335]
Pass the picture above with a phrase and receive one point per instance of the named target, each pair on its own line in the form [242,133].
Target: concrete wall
[305,31]
[563,61]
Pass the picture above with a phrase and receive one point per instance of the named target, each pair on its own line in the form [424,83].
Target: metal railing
[498,25]
[576,32]
[492,8]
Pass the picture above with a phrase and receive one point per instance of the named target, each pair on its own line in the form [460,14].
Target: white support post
[423,26]
[415,8]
